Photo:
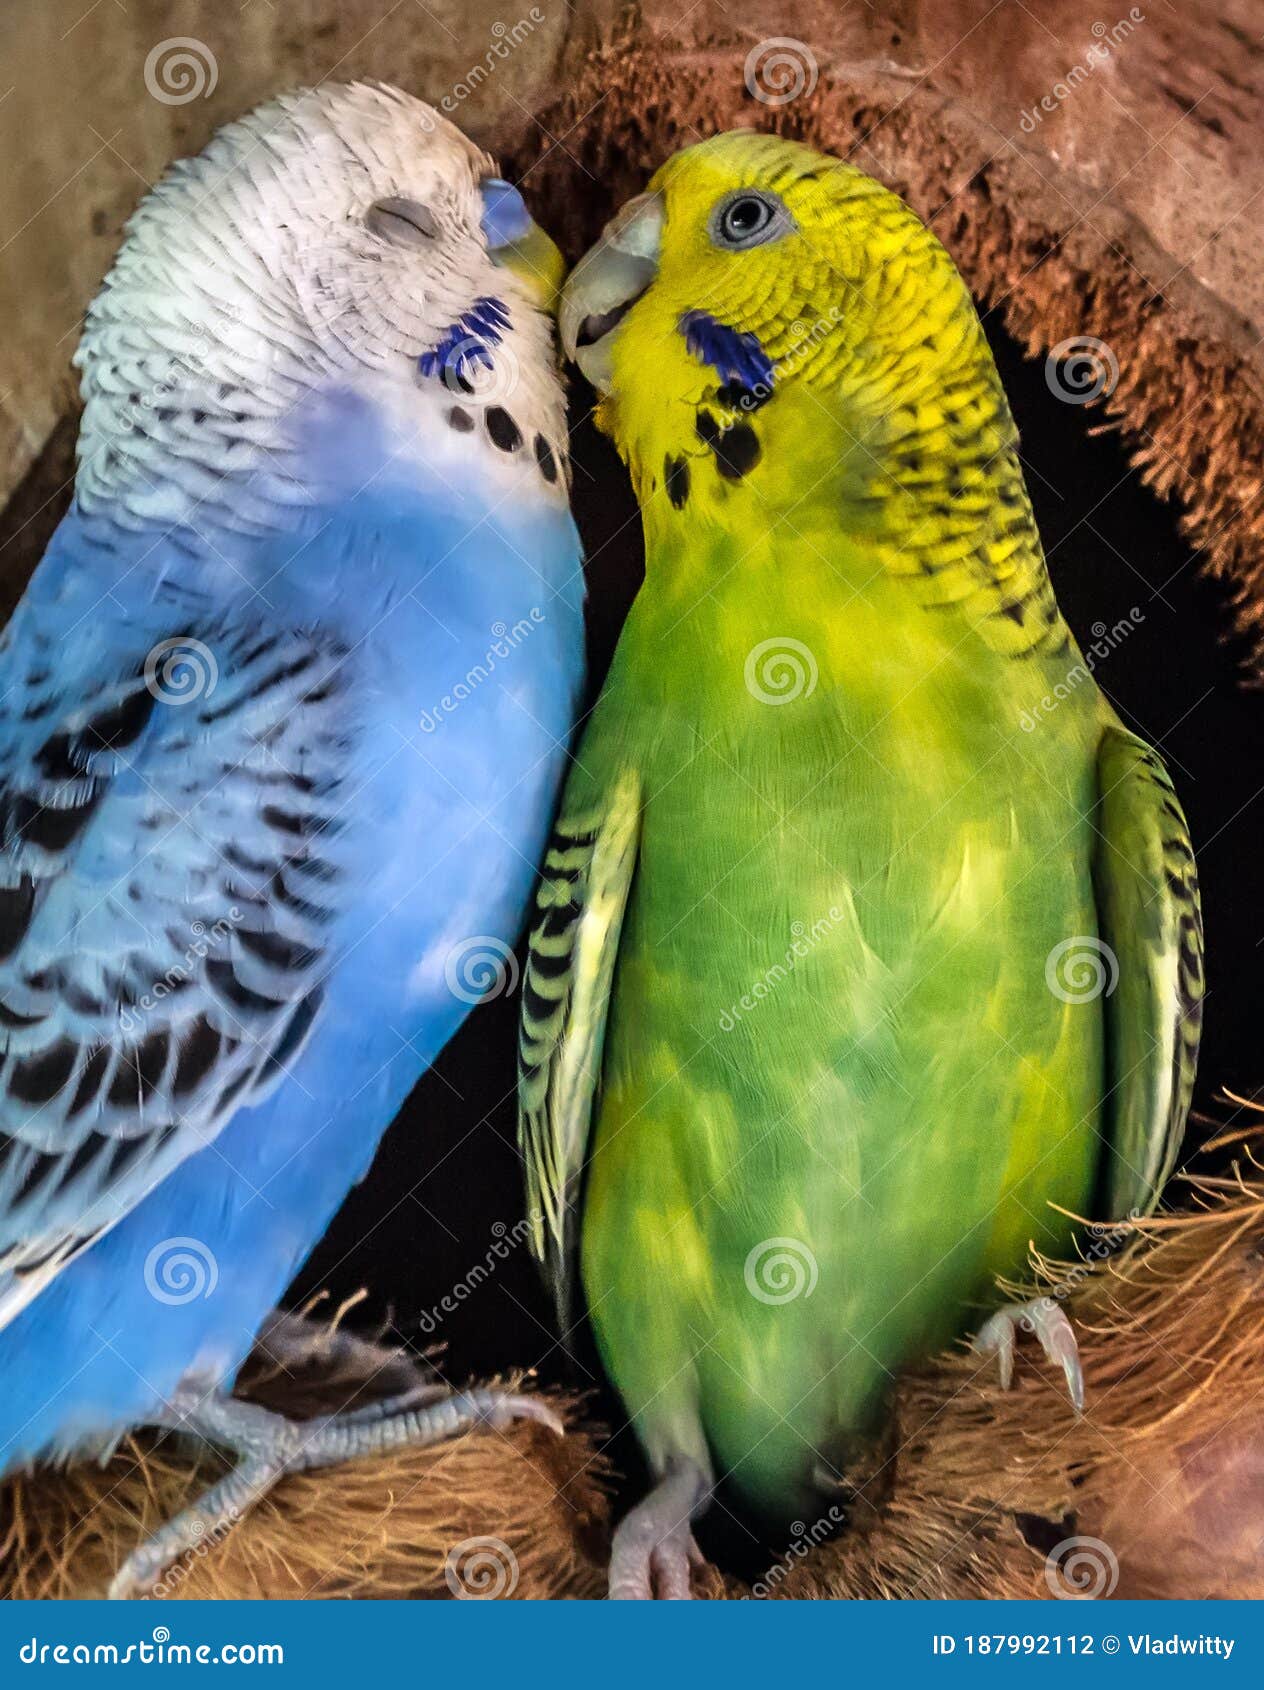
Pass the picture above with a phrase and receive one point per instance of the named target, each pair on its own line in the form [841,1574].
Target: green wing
[566,992]
[1146,886]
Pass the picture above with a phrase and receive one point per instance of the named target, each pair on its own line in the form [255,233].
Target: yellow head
[756,252]
[778,339]
[789,263]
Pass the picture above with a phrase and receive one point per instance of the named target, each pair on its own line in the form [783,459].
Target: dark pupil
[746,216]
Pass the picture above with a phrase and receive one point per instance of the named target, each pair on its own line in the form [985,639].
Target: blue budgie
[282,716]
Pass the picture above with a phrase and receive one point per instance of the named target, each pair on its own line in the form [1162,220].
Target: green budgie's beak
[518,244]
[607,282]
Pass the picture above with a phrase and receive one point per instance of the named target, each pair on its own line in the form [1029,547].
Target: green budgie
[869,947]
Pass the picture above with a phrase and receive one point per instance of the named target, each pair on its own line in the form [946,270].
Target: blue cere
[505,216]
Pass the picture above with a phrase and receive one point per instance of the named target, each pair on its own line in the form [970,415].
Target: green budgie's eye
[749,218]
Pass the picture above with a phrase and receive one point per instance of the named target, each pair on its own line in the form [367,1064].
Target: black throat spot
[676,480]
[736,449]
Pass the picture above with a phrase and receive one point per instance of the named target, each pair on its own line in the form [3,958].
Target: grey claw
[511,1408]
[1057,1340]
[1054,1332]
[654,1551]
[996,1337]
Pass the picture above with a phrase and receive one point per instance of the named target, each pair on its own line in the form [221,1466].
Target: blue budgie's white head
[338,288]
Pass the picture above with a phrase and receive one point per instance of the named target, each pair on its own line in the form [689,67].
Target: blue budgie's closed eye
[505,219]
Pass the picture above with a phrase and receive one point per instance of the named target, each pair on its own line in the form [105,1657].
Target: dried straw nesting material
[520,1513]
[1158,1490]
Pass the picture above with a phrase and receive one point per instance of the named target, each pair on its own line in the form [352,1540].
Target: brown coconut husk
[534,1501]
[1161,1474]
[1162,1467]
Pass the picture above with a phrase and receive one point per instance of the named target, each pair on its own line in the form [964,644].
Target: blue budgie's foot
[653,1550]
[268,1446]
[1056,1336]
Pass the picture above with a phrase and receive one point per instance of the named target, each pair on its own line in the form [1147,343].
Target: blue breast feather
[232,916]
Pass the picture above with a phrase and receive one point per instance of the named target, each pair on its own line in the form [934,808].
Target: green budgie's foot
[653,1549]
[1046,1319]
[268,1446]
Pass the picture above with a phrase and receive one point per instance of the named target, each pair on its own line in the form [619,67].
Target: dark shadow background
[447,1173]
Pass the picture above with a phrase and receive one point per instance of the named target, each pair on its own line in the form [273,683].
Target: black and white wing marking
[168,879]
[1146,883]
[574,946]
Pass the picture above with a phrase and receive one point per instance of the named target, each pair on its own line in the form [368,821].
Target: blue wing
[168,876]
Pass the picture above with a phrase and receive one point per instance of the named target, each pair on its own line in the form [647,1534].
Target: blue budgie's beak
[518,243]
